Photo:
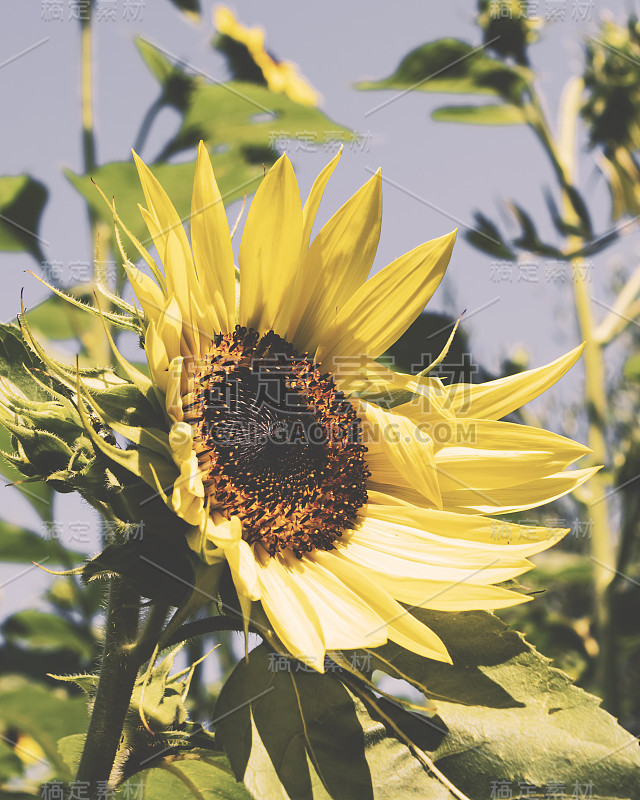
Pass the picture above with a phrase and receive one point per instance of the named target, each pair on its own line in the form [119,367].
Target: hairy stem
[117,677]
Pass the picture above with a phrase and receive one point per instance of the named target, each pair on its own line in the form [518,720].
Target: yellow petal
[467,530]
[270,248]
[157,357]
[402,628]
[382,309]
[211,243]
[336,264]
[518,497]
[147,291]
[406,448]
[345,620]
[315,196]
[496,399]
[442,596]
[299,632]
[165,216]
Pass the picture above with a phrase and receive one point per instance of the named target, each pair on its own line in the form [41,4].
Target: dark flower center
[279,445]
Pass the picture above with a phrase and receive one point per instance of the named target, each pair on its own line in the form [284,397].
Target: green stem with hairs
[117,677]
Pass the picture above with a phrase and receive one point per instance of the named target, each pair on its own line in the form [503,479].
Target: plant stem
[602,550]
[117,677]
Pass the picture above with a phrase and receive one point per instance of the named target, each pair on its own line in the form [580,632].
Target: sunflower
[339,493]
[251,61]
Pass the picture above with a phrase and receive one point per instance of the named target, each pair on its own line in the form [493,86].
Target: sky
[434,175]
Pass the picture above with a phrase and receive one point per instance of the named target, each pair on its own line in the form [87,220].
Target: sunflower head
[334,492]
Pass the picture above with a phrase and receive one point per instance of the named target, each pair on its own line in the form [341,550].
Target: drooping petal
[381,310]
[496,399]
[402,628]
[301,634]
[270,249]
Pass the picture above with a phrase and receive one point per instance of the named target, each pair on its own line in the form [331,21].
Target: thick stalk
[602,551]
[117,677]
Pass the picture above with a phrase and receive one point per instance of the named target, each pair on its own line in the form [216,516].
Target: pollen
[279,446]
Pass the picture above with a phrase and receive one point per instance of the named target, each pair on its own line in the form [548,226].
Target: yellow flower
[282,77]
[330,506]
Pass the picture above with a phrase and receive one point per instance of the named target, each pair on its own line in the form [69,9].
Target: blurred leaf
[21,202]
[486,237]
[198,774]
[57,320]
[449,65]
[18,545]
[245,121]
[505,114]
[529,239]
[10,764]
[548,730]
[632,368]
[305,734]
[176,84]
[44,714]
[50,632]
[190,7]
[70,749]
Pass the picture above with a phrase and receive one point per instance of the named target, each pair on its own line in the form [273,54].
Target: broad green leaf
[21,202]
[43,713]
[18,545]
[449,65]
[306,734]
[246,121]
[198,774]
[36,492]
[510,716]
[49,632]
[504,114]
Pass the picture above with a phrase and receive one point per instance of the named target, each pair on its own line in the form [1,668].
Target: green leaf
[21,202]
[510,716]
[70,749]
[49,632]
[10,764]
[198,774]
[505,114]
[176,84]
[631,369]
[449,65]
[58,320]
[44,714]
[486,237]
[190,7]
[37,493]
[244,121]
[306,734]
